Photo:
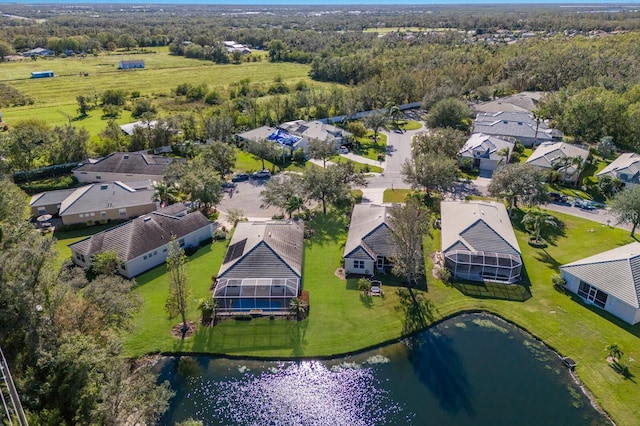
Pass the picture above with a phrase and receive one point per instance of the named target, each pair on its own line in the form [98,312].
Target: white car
[343,149]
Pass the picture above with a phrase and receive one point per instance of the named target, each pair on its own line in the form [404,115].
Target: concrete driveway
[246,196]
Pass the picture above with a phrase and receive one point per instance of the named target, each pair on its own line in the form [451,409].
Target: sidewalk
[364,160]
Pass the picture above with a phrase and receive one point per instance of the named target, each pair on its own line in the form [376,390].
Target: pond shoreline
[154,358]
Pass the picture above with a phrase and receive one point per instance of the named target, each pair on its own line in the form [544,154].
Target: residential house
[370,244]
[48,202]
[560,156]
[39,51]
[108,201]
[519,125]
[231,46]
[262,270]
[128,128]
[609,280]
[626,168]
[131,64]
[296,134]
[478,242]
[123,167]
[524,102]
[143,243]
[486,152]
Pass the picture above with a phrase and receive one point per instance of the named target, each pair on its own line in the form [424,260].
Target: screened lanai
[484,266]
[255,294]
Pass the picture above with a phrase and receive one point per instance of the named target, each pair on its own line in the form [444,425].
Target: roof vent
[146,218]
[104,186]
[126,157]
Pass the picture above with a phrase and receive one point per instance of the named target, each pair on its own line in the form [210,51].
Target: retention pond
[472,369]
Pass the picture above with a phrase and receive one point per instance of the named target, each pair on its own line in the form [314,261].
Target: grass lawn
[340,318]
[409,125]
[367,148]
[395,195]
[64,238]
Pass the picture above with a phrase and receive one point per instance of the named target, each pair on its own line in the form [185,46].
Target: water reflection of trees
[439,367]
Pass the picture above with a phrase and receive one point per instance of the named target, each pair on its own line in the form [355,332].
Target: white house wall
[91,177]
[614,306]
[350,268]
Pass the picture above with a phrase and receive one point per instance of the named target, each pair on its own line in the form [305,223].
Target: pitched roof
[520,102]
[477,226]
[107,195]
[265,250]
[143,234]
[627,163]
[50,197]
[314,130]
[129,127]
[549,154]
[135,163]
[616,272]
[516,124]
[485,146]
[369,232]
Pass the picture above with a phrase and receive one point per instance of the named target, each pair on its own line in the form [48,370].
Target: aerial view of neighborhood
[321,214]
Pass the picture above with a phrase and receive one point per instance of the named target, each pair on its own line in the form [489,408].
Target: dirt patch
[176,331]
[341,273]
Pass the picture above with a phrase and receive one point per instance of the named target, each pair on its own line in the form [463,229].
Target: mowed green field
[55,98]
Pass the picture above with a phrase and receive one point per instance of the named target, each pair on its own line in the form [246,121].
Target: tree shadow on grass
[622,370]
[543,256]
[325,229]
[439,367]
[498,291]
[418,311]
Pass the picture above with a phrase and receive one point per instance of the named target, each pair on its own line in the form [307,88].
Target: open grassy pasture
[341,319]
[55,98]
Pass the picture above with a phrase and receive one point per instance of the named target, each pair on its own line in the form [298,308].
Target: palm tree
[166,194]
[394,113]
[297,308]
[564,164]
[615,351]
[294,203]
[537,219]
[579,163]
[538,115]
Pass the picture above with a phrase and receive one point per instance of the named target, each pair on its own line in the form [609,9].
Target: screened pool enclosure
[255,294]
[484,266]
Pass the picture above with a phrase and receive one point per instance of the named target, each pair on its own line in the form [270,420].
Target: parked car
[343,149]
[262,174]
[583,204]
[558,197]
[240,177]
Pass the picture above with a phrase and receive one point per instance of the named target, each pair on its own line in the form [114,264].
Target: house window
[42,210]
[93,214]
[122,212]
[98,177]
[145,257]
[164,250]
[358,264]
[181,241]
[103,213]
[78,256]
[592,294]
[155,253]
[82,257]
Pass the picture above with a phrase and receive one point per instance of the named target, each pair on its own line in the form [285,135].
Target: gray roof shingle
[50,197]
[477,226]
[134,163]
[265,250]
[616,272]
[369,232]
[143,234]
[107,195]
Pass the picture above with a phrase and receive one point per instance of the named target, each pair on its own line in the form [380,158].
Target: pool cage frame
[484,266]
[251,295]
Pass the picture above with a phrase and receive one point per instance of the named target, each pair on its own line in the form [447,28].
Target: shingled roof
[135,163]
[369,232]
[478,226]
[50,197]
[107,195]
[616,272]
[143,234]
[265,250]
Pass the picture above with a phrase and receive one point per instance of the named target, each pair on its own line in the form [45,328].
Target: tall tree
[322,150]
[519,182]
[264,150]
[626,206]
[409,224]
[331,185]
[23,145]
[220,156]
[433,172]
[165,193]
[450,112]
[71,145]
[280,189]
[376,120]
[179,290]
[446,141]
[201,183]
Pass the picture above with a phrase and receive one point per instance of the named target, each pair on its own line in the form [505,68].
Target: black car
[240,177]
[558,198]
[262,174]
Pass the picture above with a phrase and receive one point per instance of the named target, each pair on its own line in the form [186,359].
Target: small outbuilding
[42,74]
[132,64]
